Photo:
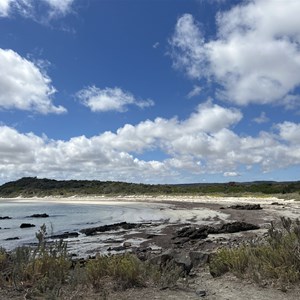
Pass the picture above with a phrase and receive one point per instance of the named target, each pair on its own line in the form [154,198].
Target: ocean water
[73,216]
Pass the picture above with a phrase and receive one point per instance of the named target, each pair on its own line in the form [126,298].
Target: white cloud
[60,6]
[231,174]
[31,8]
[4,7]
[24,86]
[194,92]
[155,45]
[192,146]
[188,47]
[255,57]
[107,99]
[290,132]
[262,118]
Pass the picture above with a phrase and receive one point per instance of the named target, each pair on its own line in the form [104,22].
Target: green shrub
[126,270]
[276,259]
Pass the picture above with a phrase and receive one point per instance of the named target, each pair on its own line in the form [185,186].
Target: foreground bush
[43,269]
[273,260]
[47,271]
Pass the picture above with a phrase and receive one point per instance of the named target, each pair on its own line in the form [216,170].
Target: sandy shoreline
[146,198]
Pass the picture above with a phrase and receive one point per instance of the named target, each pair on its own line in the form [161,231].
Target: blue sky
[161,91]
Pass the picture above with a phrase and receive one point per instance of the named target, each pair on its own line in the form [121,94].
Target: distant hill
[32,186]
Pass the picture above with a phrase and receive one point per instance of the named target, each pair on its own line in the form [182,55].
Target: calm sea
[75,216]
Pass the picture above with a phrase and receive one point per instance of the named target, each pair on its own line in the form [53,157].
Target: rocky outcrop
[104,228]
[44,215]
[12,238]
[5,218]
[185,260]
[234,227]
[202,232]
[65,235]
[193,232]
[246,207]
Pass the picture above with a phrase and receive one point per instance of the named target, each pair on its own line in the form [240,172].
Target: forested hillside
[32,186]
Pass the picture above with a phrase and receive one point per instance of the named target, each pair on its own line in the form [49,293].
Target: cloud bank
[255,56]
[204,143]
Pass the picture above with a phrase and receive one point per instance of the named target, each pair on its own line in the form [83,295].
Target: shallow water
[75,216]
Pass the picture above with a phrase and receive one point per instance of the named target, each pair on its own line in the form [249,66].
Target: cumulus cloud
[107,99]
[255,57]
[191,146]
[24,86]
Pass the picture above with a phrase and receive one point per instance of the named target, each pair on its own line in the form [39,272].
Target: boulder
[199,258]
[127,244]
[179,258]
[26,225]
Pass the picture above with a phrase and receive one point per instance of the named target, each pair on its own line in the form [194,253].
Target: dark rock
[181,259]
[181,241]
[104,228]
[26,225]
[275,203]
[235,227]
[113,241]
[246,207]
[201,293]
[127,244]
[12,238]
[151,236]
[64,235]
[193,232]
[39,216]
[199,258]
[5,218]
[118,248]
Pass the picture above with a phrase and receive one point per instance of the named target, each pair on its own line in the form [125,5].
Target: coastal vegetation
[32,186]
[48,271]
[273,260]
